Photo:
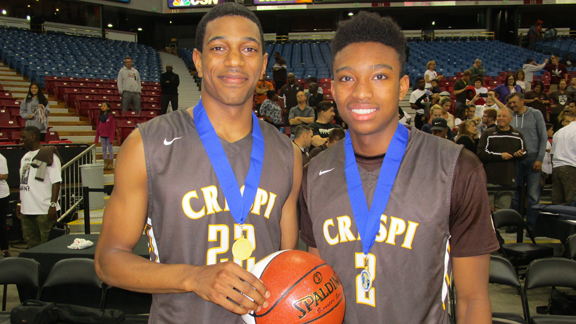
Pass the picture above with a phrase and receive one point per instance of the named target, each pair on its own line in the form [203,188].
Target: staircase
[61,119]
[188,93]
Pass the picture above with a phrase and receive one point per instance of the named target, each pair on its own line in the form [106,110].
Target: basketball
[303,289]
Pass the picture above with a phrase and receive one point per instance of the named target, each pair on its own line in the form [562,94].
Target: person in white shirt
[38,198]
[431,74]
[420,102]
[491,102]
[529,68]
[547,162]
[4,198]
[564,164]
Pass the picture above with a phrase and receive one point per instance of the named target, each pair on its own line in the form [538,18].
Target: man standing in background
[169,82]
[280,70]
[129,86]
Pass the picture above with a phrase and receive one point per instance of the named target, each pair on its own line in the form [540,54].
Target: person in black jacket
[169,82]
[499,149]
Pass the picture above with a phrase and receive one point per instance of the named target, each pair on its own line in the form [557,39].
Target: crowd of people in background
[511,127]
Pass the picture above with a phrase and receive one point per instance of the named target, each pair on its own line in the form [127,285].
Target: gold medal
[366,280]
[242,249]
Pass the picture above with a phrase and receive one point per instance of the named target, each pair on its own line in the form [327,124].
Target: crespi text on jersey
[196,205]
[393,230]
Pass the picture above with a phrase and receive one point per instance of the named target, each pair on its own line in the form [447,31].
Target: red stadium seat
[10,103]
[151,106]
[16,136]
[148,114]
[52,136]
[5,114]
[123,129]
[7,126]
[5,95]
[4,137]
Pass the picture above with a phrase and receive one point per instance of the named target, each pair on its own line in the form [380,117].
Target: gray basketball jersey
[188,219]
[409,261]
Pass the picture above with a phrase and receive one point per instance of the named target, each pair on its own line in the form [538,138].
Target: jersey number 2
[221,233]
[363,297]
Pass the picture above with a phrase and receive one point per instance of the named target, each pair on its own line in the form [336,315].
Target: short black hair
[270,93]
[224,10]
[548,126]
[128,58]
[528,61]
[418,79]
[324,106]
[300,129]
[370,27]
[32,130]
[336,134]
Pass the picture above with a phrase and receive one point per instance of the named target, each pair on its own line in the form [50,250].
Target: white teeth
[363,111]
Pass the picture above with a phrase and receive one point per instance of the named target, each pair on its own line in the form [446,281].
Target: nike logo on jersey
[170,142]
[325,171]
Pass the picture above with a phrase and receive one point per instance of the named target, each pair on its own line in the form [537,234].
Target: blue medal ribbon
[238,203]
[368,221]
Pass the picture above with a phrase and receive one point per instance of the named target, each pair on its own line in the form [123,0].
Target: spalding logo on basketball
[303,289]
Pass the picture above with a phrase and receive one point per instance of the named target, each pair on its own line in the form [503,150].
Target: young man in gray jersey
[189,225]
[414,245]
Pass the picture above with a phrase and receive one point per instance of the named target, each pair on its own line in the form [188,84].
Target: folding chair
[74,281]
[19,271]
[519,253]
[552,272]
[502,272]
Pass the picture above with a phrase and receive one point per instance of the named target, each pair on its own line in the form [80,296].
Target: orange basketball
[303,289]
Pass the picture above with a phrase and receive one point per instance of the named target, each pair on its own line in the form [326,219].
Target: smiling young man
[202,232]
[400,269]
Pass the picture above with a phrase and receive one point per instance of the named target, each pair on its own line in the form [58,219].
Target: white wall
[122,36]
[144,5]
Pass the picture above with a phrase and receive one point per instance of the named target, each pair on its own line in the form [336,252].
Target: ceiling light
[4,11]
[110,25]
[433,23]
[350,14]
[139,29]
[57,9]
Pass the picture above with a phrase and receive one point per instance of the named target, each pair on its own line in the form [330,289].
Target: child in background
[105,128]
[547,162]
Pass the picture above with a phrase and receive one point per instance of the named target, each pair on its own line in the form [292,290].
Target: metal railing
[71,190]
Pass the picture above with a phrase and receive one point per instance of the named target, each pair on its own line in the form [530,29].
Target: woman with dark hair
[520,79]
[538,99]
[509,86]
[461,115]
[35,109]
[559,99]
[468,135]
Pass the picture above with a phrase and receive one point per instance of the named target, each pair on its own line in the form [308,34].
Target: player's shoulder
[468,161]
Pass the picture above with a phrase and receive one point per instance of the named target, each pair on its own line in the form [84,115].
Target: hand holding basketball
[230,286]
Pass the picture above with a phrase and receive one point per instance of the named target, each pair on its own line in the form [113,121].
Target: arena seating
[558,47]
[453,57]
[39,55]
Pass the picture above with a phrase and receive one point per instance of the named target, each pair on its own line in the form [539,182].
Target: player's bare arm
[471,280]
[289,221]
[122,228]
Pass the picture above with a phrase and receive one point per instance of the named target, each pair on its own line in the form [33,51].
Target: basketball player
[392,209]
[169,183]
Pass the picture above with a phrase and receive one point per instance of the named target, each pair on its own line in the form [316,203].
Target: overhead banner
[183,4]
[279,2]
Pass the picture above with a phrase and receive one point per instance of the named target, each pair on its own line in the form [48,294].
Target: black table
[550,225]
[49,253]
[130,319]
